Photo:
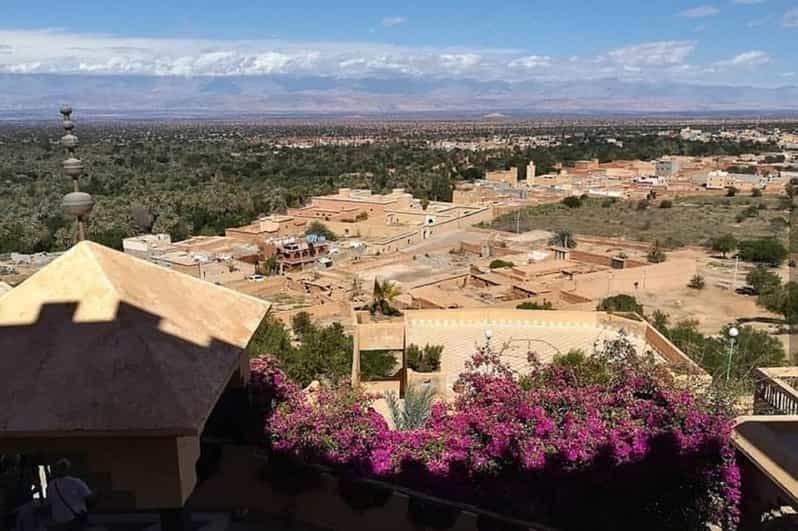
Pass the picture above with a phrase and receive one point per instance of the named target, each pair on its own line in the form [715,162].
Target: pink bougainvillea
[631,449]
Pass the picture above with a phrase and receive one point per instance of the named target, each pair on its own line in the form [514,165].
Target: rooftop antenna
[76,203]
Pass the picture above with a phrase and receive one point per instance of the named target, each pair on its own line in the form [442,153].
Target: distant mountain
[31,95]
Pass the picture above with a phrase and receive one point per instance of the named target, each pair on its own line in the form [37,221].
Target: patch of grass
[689,221]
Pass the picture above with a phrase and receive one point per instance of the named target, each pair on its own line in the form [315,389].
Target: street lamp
[733,333]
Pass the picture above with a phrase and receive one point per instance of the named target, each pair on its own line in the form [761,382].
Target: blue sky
[738,42]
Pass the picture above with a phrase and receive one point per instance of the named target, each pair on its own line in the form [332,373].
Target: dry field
[690,221]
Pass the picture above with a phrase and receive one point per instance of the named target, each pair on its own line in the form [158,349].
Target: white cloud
[790,19]
[746,59]
[58,52]
[700,11]
[748,2]
[531,62]
[789,74]
[755,23]
[390,22]
[653,53]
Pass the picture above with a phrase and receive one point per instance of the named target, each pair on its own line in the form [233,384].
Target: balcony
[776,392]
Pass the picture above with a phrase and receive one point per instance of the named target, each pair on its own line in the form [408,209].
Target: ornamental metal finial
[76,203]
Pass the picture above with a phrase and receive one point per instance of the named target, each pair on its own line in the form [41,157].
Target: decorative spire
[76,203]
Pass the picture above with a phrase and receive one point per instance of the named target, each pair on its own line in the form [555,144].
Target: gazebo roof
[99,342]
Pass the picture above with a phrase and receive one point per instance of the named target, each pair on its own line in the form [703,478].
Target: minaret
[75,203]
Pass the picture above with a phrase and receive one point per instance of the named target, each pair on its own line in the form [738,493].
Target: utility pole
[733,333]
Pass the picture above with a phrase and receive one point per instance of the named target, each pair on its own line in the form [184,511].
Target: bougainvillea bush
[609,442]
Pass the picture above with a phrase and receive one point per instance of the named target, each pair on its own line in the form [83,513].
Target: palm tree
[414,412]
[385,292]
[563,238]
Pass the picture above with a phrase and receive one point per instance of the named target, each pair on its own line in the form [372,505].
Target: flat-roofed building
[667,168]
[717,180]
[273,226]
[351,204]
[509,177]
[146,245]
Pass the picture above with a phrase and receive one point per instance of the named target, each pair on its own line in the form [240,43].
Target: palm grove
[195,178]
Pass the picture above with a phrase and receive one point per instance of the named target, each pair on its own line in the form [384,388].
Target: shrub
[536,446]
[731,191]
[656,255]
[500,264]
[427,359]
[414,412]
[697,282]
[750,212]
[666,203]
[642,205]
[572,201]
[756,192]
[545,305]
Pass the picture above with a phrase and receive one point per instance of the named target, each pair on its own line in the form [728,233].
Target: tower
[76,203]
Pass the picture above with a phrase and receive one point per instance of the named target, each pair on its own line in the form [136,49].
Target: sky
[730,42]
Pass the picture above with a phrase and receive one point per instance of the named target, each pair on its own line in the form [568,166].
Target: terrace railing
[776,392]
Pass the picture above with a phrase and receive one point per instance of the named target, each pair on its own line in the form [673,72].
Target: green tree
[271,338]
[659,320]
[563,238]
[753,348]
[302,324]
[764,250]
[383,296]
[666,203]
[572,201]
[324,353]
[762,280]
[318,228]
[724,244]
[269,266]
[782,300]
[620,303]
[656,255]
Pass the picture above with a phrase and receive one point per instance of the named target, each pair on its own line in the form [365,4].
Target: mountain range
[32,95]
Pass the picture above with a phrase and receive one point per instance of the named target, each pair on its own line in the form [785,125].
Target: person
[69,498]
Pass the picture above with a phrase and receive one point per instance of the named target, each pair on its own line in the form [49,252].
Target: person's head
[61,468]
